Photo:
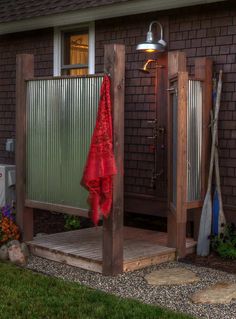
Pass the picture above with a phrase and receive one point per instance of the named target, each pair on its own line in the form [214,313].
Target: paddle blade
[203,244]
[215,214]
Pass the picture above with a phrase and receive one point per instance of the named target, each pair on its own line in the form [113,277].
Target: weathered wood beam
[177,217]
[24,216]
[177,214]
[176,63]
[203,72]
[114,64]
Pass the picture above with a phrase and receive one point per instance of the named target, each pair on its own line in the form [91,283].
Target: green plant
[225,243]
[8,228]
[72,222]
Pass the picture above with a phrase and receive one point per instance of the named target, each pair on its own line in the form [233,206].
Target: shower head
[144,68]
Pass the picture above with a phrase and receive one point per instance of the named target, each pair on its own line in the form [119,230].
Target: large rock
[220,293]
[4,253]
[16,255]
[13,243]
[25,250]
[172,276]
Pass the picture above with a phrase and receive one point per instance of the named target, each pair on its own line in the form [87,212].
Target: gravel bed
[133,285]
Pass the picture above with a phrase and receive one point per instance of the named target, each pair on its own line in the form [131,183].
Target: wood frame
[114,64]
[177,216]
[203,71]
[57,208]
[24,216]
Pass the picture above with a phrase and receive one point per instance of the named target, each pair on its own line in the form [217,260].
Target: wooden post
[176,62]
[24,216]
[203,71]
[177,213]
[114,64]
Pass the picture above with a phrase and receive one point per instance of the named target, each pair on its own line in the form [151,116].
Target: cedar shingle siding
[12,10]
[201,31]
[39,43]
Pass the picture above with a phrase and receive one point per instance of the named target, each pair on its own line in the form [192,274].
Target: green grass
[27,295]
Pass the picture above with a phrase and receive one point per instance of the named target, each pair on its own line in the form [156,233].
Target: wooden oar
[219,220]
[221,215]
[215,207]
[203,245]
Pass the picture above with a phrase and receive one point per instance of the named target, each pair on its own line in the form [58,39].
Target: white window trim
[57,47]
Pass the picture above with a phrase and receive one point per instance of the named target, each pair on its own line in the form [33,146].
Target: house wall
[199,31]
[39,43]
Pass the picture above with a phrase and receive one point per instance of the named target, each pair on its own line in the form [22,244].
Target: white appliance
[7,184]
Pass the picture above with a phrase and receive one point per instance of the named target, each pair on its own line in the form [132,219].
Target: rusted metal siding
[194,140]
[61,115]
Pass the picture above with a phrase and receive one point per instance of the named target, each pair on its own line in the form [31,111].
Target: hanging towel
[100,166]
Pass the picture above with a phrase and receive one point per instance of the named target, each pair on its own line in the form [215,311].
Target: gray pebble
[133,285]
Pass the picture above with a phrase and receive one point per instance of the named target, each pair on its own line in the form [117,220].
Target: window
[75,53]
[74,50]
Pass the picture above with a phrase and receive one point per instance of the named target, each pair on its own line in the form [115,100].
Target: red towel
[100,166]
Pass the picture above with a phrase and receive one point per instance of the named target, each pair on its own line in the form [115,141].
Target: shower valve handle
[152,121]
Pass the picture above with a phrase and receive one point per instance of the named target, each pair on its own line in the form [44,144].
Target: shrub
[8,228]
[72,222]
[225,243]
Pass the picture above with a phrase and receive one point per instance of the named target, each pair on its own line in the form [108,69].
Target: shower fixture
[150,45]
[144,68]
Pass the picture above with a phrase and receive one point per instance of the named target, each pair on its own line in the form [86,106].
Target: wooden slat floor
[83,248]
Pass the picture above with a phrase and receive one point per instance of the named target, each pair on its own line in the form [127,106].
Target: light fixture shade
[150,47]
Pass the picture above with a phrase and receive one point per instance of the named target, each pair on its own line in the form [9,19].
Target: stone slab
[16,255]
[220,293]
[172,276]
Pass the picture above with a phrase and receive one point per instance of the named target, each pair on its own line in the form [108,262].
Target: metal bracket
[174,90]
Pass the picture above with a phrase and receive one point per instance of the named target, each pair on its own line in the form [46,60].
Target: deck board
[83,248]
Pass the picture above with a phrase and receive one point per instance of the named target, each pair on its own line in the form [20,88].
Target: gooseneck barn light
[150,45]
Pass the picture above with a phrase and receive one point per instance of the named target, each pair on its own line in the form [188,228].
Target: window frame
[59,44]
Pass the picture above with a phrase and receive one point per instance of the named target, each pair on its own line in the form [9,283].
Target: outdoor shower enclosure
[50,113]
[50,117]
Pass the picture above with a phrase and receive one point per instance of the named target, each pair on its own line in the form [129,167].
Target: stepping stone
[16,255]
[220,293]
[172,276]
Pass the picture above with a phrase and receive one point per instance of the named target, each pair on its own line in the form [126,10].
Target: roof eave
[98,13]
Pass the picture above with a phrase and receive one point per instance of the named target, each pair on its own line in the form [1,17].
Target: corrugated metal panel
[175,146]
[194,140]
[61,115]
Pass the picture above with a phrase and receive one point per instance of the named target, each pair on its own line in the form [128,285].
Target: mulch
[212,261]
